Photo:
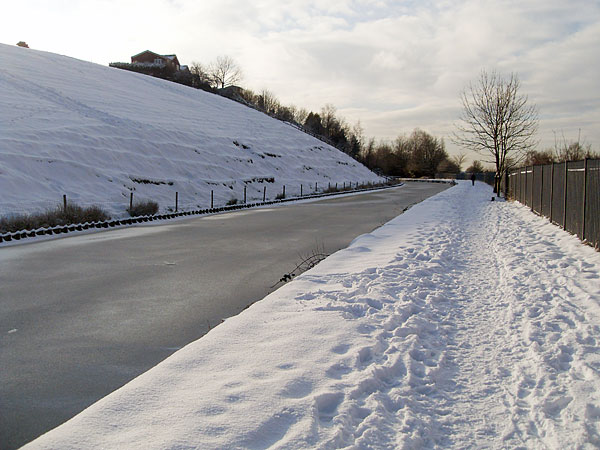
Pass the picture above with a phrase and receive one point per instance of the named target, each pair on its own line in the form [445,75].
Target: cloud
[394,65]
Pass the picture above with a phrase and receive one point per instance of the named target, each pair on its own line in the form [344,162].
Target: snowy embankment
[97,134]
[461,323]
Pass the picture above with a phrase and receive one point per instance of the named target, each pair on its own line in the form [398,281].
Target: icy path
[462,323]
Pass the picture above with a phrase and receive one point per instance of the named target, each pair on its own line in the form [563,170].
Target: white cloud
[394,65]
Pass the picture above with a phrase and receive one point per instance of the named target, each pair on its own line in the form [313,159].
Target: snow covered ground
[97,134]
[461,323]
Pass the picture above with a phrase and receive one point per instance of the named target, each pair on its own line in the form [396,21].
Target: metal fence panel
[536,188]
[592,209]
[575,176]
[567,193]
[514,182]
[558,202]
[546,200]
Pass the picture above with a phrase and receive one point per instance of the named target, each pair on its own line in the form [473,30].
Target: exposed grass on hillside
[146,208]
[59,216]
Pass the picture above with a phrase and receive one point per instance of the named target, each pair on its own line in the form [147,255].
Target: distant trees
[219,74]
[417,155]
[458,161]
[572,150]
[563,151]
[497,120]
[201,77]
[426,153]
[476,167]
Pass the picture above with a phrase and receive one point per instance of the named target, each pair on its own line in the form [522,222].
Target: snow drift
[97,134]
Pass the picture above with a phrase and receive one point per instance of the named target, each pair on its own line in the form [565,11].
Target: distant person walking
[473,179]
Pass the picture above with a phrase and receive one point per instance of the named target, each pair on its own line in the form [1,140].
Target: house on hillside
[151,59]
[166,67]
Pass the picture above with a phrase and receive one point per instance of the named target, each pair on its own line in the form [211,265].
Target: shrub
[147,208]
[280,196]
[53,217]
[232,201]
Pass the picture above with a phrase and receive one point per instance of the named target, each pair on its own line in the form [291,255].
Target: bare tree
[458,160]
[224,71]
[497,121]
[475,167]
[426,153]
[267,101]
[572,150]
[201,75]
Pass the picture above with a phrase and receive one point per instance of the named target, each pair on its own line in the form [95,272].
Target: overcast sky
[393,65]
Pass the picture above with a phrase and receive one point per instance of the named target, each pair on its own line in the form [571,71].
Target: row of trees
[497,122]
[562,151]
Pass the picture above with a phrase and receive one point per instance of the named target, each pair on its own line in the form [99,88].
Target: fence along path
[567,193]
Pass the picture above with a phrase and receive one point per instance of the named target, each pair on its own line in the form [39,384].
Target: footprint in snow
[327,405]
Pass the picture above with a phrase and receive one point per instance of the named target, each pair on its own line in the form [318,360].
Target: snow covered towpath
[462,323]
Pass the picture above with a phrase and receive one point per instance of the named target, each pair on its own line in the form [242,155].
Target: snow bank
[97,134]
[462,322]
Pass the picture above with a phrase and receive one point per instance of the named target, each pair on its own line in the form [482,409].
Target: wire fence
[57,218]
[567,193]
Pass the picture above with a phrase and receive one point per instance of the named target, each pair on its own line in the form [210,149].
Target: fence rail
[567,193]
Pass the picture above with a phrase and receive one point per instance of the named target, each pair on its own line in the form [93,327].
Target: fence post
[301,191]
[551,190]
[532,185]
[316,186]
[542,192]
[264,193]
[131,200]
[212,198]
[176,201]
[565,196]
[284,191]
[65,202]
[524,193]
[244,194]
[585,171]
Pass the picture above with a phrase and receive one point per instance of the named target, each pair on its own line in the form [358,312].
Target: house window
[158,61]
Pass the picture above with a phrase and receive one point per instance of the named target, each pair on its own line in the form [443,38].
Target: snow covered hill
[96,134]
